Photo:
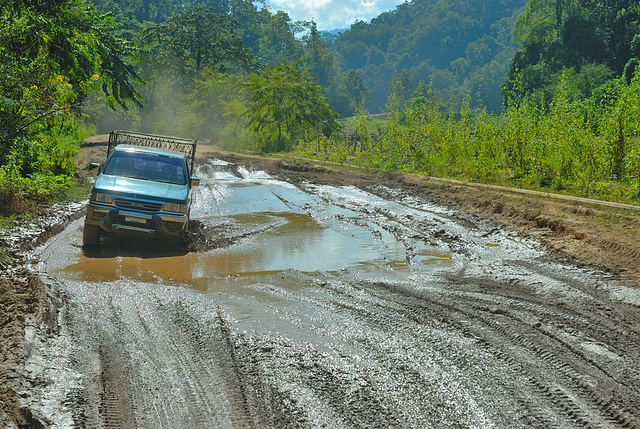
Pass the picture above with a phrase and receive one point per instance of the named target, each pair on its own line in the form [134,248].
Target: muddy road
[312,305]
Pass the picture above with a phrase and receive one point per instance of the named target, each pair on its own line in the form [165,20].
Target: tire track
[595,404]
[116,408]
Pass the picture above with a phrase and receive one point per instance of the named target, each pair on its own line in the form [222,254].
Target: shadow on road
[123,245]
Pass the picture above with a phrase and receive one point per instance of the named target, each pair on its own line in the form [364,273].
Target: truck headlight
[103,198]
[175,207]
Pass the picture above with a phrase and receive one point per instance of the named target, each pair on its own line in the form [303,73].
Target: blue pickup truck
[144,187]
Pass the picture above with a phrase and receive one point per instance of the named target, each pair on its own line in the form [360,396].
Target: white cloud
[331,14]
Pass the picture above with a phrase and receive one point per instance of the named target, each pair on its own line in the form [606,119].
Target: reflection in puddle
[282,241]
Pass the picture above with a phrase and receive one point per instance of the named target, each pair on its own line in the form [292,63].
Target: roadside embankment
[26,305]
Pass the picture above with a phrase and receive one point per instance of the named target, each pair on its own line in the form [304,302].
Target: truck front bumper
[112,219]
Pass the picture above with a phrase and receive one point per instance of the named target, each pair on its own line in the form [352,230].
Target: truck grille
[137,205]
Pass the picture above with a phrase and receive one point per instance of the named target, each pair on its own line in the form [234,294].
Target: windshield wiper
[136,177]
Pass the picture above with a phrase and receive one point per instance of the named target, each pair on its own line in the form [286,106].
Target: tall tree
[277,41]
[324,66]
[401,86]
[541,18]
[317,58]
[194,38]
[358,94]
[286,105]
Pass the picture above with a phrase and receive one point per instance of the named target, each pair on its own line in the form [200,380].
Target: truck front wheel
[91,235]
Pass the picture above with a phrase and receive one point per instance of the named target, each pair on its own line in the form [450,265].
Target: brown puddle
[274,243]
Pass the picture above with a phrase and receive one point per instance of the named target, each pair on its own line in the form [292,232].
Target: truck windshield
[146,166]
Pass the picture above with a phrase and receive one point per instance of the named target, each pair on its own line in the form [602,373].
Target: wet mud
[321,305]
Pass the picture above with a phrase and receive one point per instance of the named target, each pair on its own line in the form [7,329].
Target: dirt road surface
[311,297]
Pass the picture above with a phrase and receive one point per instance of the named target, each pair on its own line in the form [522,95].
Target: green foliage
[286,107]
[269,36]
[194,65]
[38,187]
[158,11]
[52,55]
[561,34]
[401,86]
[219,106]
[425,37]
[462,47]
[619,131]
[194,38]
[345,92]
[566,145]
[274,37]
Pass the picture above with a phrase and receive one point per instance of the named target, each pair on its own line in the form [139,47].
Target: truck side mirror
[94,165]
[195,181]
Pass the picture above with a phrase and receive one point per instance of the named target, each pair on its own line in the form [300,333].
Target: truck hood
[141,188]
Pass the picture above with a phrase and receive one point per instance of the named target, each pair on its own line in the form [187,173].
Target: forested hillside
[593,41]
[457,48]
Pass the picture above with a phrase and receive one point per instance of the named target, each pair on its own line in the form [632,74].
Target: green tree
[401,87]
[286,106]
[346,92]
[358,94]
[563,34]
[317,58]
[540,20]
[51,55]
[192,39]
[272,36]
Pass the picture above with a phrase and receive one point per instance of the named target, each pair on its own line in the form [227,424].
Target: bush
[569,146]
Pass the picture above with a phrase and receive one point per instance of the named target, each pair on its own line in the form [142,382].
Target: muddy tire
[91,235]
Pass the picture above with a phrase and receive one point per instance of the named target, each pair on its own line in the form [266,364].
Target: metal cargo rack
[187,146]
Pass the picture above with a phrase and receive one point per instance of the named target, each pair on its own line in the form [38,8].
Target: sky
[333,14]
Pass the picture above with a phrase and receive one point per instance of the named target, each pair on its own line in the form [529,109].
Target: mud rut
[472,326]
